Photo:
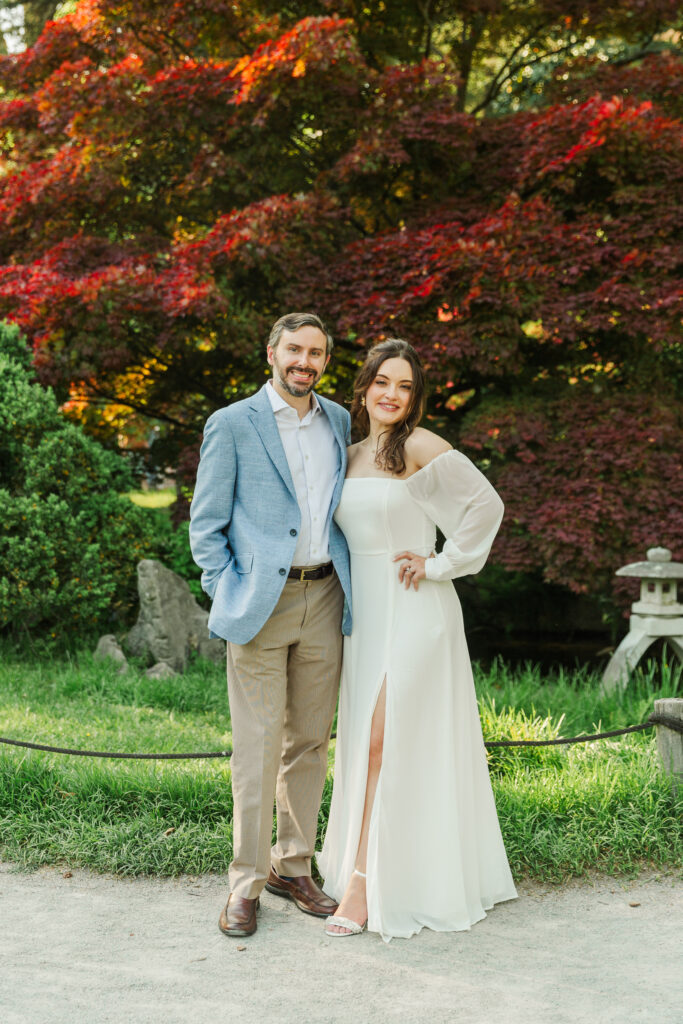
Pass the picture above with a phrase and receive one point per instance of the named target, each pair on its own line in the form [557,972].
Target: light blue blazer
[245,519]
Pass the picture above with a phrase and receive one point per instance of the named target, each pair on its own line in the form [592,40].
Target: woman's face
[388,398]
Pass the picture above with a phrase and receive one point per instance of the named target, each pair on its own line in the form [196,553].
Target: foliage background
[69,541]
[498,182]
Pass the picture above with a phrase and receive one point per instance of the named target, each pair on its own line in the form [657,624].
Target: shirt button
[292,533]
[282,571]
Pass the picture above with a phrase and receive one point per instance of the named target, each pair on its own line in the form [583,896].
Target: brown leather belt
[311,572]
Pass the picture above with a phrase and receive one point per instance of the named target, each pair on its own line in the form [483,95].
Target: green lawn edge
[564,812]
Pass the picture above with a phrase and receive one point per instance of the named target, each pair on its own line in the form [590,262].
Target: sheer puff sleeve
[463,504]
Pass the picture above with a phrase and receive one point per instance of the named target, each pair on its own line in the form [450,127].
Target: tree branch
[104,396]
[466,48]
[524,64]
[428,10]
[642,52]
[490,93]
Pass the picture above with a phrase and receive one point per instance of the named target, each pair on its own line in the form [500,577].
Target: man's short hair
[292,322]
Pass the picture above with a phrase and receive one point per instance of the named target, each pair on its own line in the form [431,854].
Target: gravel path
[93,949]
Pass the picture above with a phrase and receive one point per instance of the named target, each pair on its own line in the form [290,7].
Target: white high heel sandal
[345,922]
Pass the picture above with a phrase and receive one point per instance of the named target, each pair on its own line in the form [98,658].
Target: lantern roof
[658,566]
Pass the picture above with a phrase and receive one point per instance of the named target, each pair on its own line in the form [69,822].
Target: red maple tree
[174,177]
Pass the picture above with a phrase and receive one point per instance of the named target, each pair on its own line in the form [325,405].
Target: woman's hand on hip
[412,570]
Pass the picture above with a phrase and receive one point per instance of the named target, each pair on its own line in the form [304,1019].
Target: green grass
[563,811]
[153,499]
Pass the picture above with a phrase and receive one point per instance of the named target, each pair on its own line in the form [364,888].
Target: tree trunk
[472,32]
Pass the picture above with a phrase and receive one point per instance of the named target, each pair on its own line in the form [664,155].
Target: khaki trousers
[282,688]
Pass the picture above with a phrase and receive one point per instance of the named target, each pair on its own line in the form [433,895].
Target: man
[276,567]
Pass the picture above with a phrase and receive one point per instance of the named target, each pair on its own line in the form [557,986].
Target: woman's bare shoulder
[424,445]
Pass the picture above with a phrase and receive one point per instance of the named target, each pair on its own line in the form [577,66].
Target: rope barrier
[104,753]
[668,721]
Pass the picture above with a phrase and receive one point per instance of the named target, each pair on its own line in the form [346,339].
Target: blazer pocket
[243,563]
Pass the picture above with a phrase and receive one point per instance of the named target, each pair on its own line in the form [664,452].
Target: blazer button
[282,571]
[292,533]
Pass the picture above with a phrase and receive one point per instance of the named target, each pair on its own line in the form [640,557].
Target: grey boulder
[170,623]
[160,671]
[108,649]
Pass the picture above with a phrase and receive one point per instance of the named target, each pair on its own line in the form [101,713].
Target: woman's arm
[463,504]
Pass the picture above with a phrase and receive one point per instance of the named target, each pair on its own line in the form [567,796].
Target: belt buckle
[302,576]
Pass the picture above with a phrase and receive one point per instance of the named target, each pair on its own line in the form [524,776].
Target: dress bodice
[382,514]
[378,516]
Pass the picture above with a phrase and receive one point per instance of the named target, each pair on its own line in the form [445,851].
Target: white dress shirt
[311,450]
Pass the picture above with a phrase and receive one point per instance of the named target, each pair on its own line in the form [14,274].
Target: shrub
[172,547]
[69,540]
[179,558]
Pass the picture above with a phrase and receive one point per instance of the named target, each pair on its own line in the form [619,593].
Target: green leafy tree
[69,540]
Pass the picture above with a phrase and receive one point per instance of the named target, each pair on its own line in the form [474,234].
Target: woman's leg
[354,903]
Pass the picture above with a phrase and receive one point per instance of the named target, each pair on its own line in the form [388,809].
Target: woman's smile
[389,396]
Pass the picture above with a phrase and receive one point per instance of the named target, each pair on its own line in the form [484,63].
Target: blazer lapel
[325,404]
[263,418]
[335,423]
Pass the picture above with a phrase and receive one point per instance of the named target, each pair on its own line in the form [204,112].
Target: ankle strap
[357,872]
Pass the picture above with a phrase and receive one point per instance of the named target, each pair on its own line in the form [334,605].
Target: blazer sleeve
[463,504]
[211,508]
[347,427]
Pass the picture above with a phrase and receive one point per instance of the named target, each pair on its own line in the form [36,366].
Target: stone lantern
[658,615]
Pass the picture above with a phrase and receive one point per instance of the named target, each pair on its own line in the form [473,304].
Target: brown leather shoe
[238,916]
[308,896]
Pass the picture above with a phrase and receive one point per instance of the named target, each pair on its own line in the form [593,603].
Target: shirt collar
[278,403]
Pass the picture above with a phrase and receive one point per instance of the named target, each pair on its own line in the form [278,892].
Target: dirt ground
[93,949]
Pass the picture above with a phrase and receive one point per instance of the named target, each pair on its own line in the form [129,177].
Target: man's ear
[269,354]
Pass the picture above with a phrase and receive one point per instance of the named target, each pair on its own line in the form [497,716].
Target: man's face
[299,360]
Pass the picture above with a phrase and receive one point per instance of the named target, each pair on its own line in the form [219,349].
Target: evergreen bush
[178,557]
[69,538]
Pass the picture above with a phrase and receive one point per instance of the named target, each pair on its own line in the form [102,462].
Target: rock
[212,650]
[108,649]
[170,622]
[135,642]
[160,671]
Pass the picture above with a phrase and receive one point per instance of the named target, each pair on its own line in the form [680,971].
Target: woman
[413,838]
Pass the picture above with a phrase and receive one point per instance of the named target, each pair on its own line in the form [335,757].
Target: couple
[285,518]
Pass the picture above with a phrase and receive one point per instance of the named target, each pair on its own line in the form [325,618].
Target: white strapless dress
[436,857]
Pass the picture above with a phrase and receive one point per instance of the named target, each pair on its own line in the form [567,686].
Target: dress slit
[375,701]
[372,888]
[378,694]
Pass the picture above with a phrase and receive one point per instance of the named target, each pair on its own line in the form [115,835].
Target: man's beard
[294,389]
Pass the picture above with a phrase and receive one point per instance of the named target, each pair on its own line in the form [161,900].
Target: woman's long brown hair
[391,456]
